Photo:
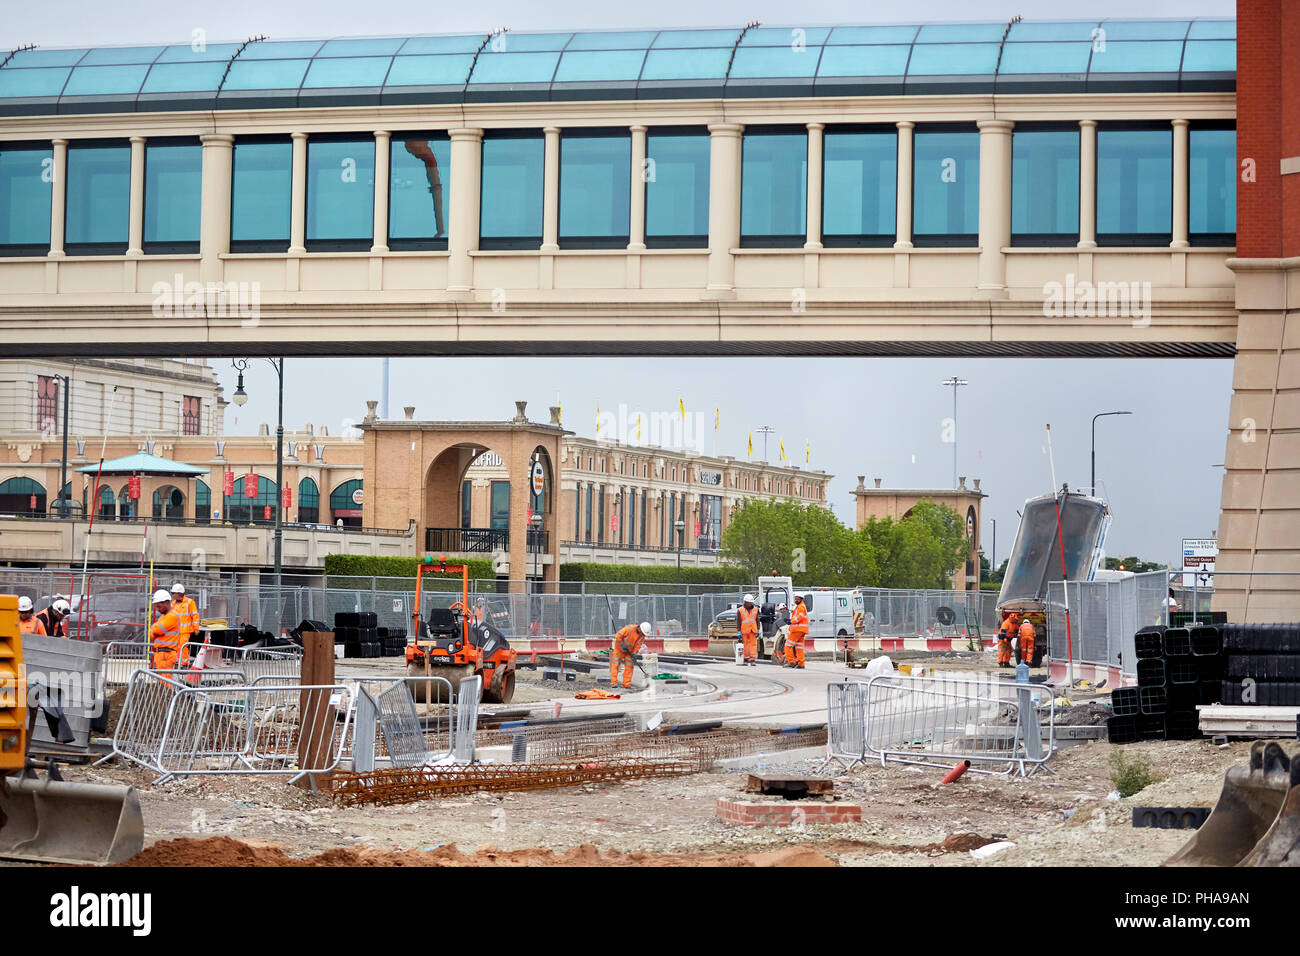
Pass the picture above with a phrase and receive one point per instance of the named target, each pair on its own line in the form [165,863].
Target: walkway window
[47,404]
[774,187]
[169,504]
[418,191]
[308,502]
[577,513]
[946,186]
[510,202]
[242,510]
[22,496]
[466,502]
[600,514]
[340,194]
[591,491]
[1135,167]
[859,195]
[261,195]
[595,188]
[26,176]
[98,199]
[190,406]
[345,503]
[677,189]
[1212,183]
[1045,186]
[500,506]
[173,196]
[202,502]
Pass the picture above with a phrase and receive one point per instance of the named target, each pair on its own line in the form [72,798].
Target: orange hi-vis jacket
[32,625]
[1027,634]
[188,612]
[1008,629]
[627,642]
[168,641]
[798,623]
[747,621]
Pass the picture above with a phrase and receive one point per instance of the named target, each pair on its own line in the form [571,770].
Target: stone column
[814,203]
[214,218]
[380,241]
[1179,239]
[135,231]
[551,192]
[463,216]
[904,211]
[59,198]
[994,204]
[298,194]
[724,205]
[636,222]
[1087,184]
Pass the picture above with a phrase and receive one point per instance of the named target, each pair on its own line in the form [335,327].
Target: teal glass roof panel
[514,68]
[1145,29]
[784,36]
[461,44]
[280,50]
[46,58]
[1138,56]
[114,55]
[774,61]
[265,74]
[329,72]
[1075,30]
[105,80]
[211,52]
[694,64]
[445,69]
[953,59]
[842,36]
[1210,56]
[1213,30]
[961,33]
[529,42]
[614,40]
[1046,57]
[864,61]
[43,81]
[183,77]
[682,39]
[594,66]
[379,46]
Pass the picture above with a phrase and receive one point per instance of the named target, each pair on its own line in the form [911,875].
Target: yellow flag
[716,418]
[682,405]
[559,409]
[783,458]
[751,444]
[807,452]
[598,417]
[638,426]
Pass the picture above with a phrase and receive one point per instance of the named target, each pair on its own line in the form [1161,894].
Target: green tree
[762,537]
[922,550]
[1134,564]
[806,542]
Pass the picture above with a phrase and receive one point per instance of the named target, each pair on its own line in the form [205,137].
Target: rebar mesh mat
[701,750]
[388,787]
[537,733]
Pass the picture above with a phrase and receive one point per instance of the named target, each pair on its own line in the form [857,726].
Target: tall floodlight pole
[765,430]
[1092,485]
[956,383]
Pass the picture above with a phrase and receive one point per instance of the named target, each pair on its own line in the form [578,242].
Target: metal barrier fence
[846,728]
[140,734]
[918,613]
[284,662]
[467,698]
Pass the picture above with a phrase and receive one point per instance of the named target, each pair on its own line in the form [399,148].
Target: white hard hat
[62,606]
[24,604]
[159,596]
[178,587]
[645,627]
[781,606]
[749,599]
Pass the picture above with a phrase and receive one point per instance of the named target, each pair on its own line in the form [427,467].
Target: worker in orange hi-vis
[189,614]
[747,628]
[1026,644]
[1005,633]
[794,652]
[166,634]
[626,643]
[28,623]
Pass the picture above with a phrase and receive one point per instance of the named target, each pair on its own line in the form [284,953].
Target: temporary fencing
[283,662]
[934,721]
[140,735]
[892,613]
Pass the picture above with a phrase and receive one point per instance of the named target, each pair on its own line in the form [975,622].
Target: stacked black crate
[368,634]
[1263,664]
[1139,712]
[1182,688]
[393,640]
[1125,706]
[347,631]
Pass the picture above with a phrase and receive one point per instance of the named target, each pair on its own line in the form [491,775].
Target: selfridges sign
[710,477]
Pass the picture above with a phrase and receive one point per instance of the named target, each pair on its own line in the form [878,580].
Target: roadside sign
[539,478]
[1199,555]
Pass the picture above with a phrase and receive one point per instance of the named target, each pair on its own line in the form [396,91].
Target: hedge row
[366,565]
[387,566]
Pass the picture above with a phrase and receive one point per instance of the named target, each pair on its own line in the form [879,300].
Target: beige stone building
[897,503]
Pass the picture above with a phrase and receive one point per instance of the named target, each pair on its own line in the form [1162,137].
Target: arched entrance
[169,503]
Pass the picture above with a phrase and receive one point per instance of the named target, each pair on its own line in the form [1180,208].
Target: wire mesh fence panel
[400,726]
[466,714]
[935,721]
[284,663]
[140,735]
[121,659]
[436,721]
[846,730]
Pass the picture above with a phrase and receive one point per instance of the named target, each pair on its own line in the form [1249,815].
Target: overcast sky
[876,417]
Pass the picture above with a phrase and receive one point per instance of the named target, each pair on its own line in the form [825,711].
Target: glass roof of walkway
[1047,57]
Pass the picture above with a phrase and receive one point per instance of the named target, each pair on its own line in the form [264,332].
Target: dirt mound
[223,851]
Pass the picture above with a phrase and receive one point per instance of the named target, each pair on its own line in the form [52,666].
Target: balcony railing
[702,548]
[480,540]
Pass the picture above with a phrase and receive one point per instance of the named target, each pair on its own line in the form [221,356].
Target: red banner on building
[228,483]
[133,487]
[267,512]
[250,485]
[286,498]
[697,529]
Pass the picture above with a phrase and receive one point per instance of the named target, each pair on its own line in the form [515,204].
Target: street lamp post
[240,397]
[955,382]
[680,527]
[1093,484]
[765,430]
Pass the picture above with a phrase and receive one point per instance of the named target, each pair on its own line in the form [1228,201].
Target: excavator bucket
[54,821]
[1257,819]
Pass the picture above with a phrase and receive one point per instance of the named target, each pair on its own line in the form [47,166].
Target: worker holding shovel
[623,654]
